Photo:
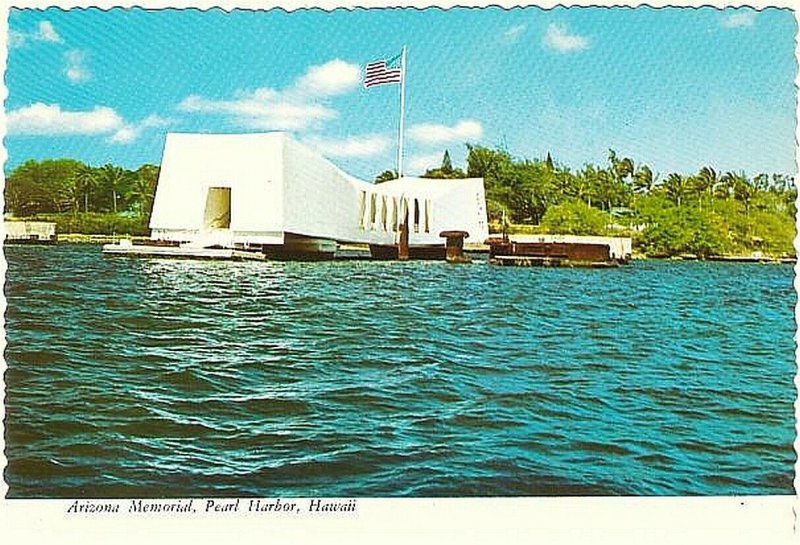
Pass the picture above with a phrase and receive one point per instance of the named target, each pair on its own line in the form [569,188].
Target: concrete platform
[183,252]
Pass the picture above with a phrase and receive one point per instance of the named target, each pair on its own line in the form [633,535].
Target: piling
[403,253]
[454,246]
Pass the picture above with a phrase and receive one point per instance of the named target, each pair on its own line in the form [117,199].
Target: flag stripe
[377,73]
[387,74]
[395,79]
[382,82]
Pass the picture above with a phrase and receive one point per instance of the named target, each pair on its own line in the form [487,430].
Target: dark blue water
[182,378]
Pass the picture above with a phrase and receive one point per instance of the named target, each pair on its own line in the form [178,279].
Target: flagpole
[402,113]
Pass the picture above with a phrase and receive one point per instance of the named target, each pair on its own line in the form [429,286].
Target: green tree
[549,162]
[704,184]
[494,167]
[622,169]
[386,176]
[85,183]
[447,164]
[143,188]
[112,179]
[744,191]
[643,180]
[575,218]
[726,185]
[445,171]
[39,187]
[486,163]
[676,188]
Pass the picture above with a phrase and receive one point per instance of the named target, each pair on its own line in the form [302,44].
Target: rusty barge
[559,251]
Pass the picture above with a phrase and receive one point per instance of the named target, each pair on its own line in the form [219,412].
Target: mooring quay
[523,250]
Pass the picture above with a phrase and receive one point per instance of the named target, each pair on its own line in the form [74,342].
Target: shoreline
[81,238]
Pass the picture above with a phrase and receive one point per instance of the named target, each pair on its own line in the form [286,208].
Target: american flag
[382,73]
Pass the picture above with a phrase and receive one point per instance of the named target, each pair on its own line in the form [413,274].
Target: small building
[29,232]
[266,191]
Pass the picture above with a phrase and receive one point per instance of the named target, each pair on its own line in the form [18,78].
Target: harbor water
[171,378]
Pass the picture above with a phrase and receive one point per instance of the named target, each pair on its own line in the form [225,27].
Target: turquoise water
[183,378]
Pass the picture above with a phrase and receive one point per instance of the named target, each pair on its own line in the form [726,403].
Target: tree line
[59,186]
[705,213]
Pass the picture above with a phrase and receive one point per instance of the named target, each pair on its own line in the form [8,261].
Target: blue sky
[676,88]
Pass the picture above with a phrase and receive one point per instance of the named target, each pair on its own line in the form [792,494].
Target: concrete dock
[127,249]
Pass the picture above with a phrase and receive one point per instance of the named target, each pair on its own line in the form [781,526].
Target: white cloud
[420,163]
[431,133]
[358,146]
[739,19]
[16,39]
[74,66]
[332,78]
[512,34]
[125,135]
[297,107]
[47,33]
[50,119]
[262,109]
[558,38]
[132,131]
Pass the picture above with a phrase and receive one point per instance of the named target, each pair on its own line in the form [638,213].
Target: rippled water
[178,378]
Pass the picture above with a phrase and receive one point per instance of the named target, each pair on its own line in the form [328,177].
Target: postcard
[400,269]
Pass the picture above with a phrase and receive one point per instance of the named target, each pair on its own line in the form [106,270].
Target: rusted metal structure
[559,251]
[403,253]
[454,246]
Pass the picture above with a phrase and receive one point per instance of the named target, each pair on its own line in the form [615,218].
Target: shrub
[575,218]
[93,223]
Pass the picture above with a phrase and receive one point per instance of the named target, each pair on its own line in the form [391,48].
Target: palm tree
[85,182]
[782,183]
[113,178]
[761,183]
[608,188]
[704,182]
[588,186]
[744,191]
[726,185]
[620,168]
[564,182]
[141,194]
[643,180]
[144,186]
[676,187]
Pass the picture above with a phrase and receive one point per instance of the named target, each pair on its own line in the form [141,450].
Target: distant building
[267,190]
[29,232]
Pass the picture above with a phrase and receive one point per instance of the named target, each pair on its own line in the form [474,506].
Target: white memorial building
[267,191]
